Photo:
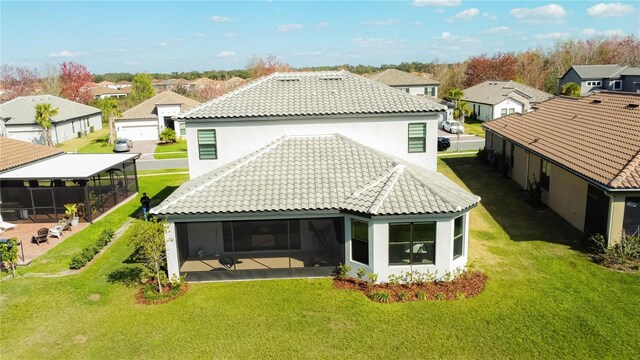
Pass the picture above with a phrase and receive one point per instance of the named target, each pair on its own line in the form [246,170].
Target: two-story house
[493,99]
[404,81]
[602,77]
[296,173]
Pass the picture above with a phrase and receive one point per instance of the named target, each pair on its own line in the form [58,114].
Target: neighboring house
[36,181]
[72,117]
[203,82]
[108,84]
[602,77]
[103,92]
[404,81]
[585,153]
[171,84]
[450,108]
[493,99]
[234,83]
[122,84]
[298,172]
[146,120]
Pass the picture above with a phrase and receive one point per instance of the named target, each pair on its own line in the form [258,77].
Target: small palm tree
[44,113]
[461,109]
[109,109]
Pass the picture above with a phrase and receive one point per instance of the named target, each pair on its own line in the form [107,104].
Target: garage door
[138,132]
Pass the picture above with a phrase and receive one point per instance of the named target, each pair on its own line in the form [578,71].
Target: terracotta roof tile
[597,136]
[14,153]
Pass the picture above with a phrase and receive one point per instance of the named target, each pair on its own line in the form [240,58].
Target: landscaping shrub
[89,251]
[79,134]
[624,255]
[421,295]
[171,289]
[92,129]
[342,270]
[361,273]
[440,296]
[372,278]
[168,135]
[380,296]
[403,295]
[483,155]
[534,190]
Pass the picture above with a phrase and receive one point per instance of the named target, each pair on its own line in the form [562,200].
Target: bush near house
[624,255]
[168,135]
[89,251]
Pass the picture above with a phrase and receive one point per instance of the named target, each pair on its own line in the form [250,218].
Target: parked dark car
[443,143]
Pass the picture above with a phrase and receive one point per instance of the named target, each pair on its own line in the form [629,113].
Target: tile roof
[103,90]
[309,94]
[147,108]
[330,172]
[597,136]
[604,71]
[17,153]
[493,92]
[22,110]
[395,77]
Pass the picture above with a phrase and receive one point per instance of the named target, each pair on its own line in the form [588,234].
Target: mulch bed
[141,299]
[470,284]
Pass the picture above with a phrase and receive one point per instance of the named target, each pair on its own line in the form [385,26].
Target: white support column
[444,246]
[173,262]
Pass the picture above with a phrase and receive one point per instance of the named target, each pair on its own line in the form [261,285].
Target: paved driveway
[145,147]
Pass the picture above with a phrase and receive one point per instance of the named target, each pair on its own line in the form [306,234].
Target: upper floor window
[207,144]
[412,243]
[545,174]
[617,85]
[430,90]
[458,236]
[417,137]
[360,241]
[183,129]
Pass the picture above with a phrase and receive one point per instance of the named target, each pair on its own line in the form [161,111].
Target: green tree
[109,109]
[149,241]
[570,89]
[44,113]
[9,254]
[141,88]
[460,110]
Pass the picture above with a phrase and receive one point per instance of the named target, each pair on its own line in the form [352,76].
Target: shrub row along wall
[89,251]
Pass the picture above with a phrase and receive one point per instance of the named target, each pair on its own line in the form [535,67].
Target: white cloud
[220,18]
[610,10]
[498,30]
[439,3]
[594,32]
[464,15]
[163,44]
[66,54]
[226,54]
[384,22]
[490,16]
[289,27]
[552,35]
[322,25]
[374,42]
[132,63]
[445,35]
[120,50]
[552,13]
[199,35]
[308,53]
[229,35]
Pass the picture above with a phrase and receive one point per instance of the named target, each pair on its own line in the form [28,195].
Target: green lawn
[544,299]
[95,142]
[177,150]
[473,127]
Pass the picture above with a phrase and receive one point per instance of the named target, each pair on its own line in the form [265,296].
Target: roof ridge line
[242,162]
[395,175]
[230,94]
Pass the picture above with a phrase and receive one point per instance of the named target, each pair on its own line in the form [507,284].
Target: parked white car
[453,127]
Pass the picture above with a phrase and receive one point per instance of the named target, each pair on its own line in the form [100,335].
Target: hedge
[89,251]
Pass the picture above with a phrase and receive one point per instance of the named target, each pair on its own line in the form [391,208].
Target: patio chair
[42,236]
[4,226]
[56,231]
[66,224]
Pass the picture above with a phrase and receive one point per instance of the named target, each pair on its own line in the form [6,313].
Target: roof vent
[331,77]
[596,101]
[632,106]
[288,79]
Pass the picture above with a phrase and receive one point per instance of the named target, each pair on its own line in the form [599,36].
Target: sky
[128,36]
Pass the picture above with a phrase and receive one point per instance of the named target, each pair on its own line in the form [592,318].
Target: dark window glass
[360,241]
[458,237]
[417,137]
[545,174]
[412,243]
[631,220]
[207,144]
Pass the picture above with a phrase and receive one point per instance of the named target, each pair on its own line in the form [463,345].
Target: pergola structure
[94,182]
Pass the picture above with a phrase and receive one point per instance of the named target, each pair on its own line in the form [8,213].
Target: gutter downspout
[610,217]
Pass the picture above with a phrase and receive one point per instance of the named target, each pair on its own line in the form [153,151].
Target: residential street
[162,164]
[467,142]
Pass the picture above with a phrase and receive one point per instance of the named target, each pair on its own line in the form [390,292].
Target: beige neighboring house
[493,99]
[123,84]
[108,84]
[146,120]
[170,85]
[103,92]
[234,83]
[203,82]
[407,82]
[584,152]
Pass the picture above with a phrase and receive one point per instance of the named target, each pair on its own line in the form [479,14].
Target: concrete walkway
[145,147]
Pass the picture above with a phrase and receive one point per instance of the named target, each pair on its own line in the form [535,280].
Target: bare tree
[51,83]
[18,80]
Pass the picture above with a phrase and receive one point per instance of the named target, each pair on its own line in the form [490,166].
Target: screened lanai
[37,192]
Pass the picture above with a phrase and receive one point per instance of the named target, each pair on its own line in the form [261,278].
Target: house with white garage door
[72,119]
[146,120]
[493,99]
[296,173]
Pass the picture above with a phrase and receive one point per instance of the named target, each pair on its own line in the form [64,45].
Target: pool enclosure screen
[261,245]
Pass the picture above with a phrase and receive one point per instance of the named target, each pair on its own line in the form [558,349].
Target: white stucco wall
[164,111]
[507,104]
[482,112]
[388,134]
[60,132]
[142,129]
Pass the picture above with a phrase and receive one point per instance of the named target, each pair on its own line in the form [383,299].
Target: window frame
[215,144]
[626,217]
[618,83]
[460,237]
[545,174]
[365,241]
[503,112]
[412,262]
[424,138]
[182,127]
